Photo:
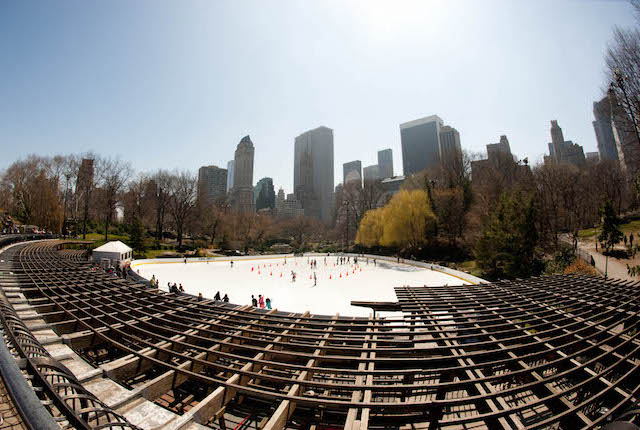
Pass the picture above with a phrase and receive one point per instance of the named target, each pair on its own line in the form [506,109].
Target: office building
[242,191]
[230,175]
[265,196]
[593,156]
[372,173]
[420,140]
[313,172]
[385,162]
[426,142]
[604,132]
[212,183]
[450,148]
[352,172]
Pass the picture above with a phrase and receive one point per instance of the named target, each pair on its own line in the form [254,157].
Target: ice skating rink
[336,287]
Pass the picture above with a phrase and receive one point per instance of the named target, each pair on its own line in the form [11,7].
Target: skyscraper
[604,131]
[420,141]
[242,191]
[265,195]
[497,149]
[313,172]
[352,171]
[230,171]
[212,183]
[372,173]
[450,147]
[562,151]
[385,161]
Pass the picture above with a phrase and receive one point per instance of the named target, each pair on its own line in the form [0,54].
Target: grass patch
[586,233]
[100,236]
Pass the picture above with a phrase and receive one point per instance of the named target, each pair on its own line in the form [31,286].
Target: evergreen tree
[610,233]
[136,236]
[508,248]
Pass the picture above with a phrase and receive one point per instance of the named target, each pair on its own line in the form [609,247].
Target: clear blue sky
[176,84]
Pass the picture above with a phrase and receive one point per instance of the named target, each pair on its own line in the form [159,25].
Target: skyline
[191,81]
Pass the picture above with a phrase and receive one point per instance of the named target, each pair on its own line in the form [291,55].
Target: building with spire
[242,191]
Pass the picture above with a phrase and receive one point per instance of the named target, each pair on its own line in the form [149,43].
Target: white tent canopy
[114,251]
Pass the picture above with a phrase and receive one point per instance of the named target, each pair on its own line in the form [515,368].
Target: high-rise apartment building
[426,142]
[242,191]
[372,173]
[562,151]
[385,162]
[313,172]
[352,172]
[498,149]
[604,132]
[212,183]
[230,175]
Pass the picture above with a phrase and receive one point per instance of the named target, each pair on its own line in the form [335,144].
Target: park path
[617,268]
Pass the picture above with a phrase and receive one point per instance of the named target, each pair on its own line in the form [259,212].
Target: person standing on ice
[293,276]
[232,264]
[225,299]
[217,297]
[254,302]
[315,279]
[261,301]
[268,303]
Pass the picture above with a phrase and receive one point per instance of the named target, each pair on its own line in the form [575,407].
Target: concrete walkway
[617,268]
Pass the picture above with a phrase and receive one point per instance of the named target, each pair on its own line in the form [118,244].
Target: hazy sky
[176,84]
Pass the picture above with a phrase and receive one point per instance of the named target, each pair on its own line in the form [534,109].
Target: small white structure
[114,253]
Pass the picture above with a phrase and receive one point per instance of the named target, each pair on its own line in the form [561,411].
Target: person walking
[260,301]
[199,297]
[254,302]
[268,303]
[217,297]
[315,279]
[225,299]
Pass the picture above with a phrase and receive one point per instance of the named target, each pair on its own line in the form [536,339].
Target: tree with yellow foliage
[406,221]
[371,227]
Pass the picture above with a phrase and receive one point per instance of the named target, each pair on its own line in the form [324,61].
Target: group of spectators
[260,302]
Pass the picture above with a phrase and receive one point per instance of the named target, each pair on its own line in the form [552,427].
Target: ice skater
[293,276]
[315,279]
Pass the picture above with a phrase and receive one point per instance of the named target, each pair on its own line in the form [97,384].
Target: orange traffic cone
[258,272]
[347,273]
[309,276]
[252,268]
[329,276]
[281,275]
[341,275]
[271,274]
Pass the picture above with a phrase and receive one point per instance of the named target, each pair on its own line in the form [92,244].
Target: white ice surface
[330,296]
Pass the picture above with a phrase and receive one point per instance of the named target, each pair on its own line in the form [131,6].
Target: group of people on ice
[260,302]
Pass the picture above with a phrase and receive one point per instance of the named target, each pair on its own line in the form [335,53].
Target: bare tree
[114,174]
[182,200]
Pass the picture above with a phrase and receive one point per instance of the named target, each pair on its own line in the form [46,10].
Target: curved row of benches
[542,352]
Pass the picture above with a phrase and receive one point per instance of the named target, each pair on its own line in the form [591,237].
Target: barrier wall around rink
[435,267]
